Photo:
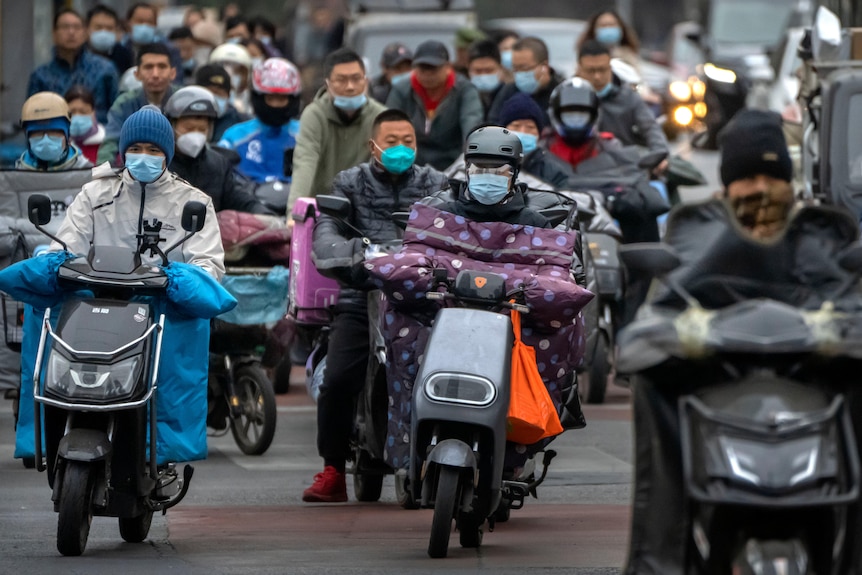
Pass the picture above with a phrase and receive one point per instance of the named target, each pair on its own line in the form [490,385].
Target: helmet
[128,81]
[492,146]
[191,101]
[231,54]
[574,109]
[627,73]
[276,76]
[44,106]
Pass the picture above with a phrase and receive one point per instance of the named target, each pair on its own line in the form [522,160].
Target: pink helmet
[276,76]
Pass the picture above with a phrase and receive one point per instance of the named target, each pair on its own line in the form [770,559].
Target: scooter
[767,455]
[100,367]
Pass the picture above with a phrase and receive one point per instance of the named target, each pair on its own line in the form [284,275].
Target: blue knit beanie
[521,106]
[148,125]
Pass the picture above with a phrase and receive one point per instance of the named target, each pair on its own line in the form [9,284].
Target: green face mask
[397,159]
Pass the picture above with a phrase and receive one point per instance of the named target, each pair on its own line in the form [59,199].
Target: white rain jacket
[108,212]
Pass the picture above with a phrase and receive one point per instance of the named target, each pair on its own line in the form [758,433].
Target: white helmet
[231,54]
[627,73]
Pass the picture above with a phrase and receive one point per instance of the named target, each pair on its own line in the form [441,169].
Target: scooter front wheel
[445,501]
[75,508]
[136,529]
[254,429]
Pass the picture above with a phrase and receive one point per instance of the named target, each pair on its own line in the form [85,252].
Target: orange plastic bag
[532,413]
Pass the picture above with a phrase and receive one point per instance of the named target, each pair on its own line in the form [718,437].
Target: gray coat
[626,116]
[441,139]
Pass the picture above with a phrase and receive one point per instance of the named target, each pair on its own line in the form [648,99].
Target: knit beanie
[148,125]
[753,143]
[521,106]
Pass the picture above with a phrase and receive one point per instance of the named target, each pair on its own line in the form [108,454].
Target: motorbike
[766,457]
[100,367]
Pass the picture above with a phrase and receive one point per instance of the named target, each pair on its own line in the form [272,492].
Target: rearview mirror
[39,209]
[334,206]
[649,257]
[194,216]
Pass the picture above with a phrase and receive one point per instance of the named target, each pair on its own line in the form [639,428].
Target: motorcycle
[100,367]
[764,474]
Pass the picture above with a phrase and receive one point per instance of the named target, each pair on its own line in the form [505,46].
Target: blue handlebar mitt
[34,281]
[195,293]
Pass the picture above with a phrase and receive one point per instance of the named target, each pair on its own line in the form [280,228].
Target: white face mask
[192,143]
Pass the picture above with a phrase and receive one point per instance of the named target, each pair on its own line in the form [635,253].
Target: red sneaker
[328,487]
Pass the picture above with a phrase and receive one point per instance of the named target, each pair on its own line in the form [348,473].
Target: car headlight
[722,75]
[786,464]
[680,90]
[460,388]
[683,116]
[78,380]
[698,89]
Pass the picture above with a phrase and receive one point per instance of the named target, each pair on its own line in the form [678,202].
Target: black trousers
[343,379]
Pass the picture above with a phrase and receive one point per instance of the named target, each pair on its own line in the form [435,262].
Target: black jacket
[374,195]
[212,172]
[542,97]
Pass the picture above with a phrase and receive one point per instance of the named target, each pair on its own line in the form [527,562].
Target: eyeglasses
[501,170]
[347,80]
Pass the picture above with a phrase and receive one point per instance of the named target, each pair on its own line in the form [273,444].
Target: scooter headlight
[94,381]
[790,463]
[460,388]
[717,74]
[680,90]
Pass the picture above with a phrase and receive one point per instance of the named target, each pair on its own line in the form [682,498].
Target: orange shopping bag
[532,414]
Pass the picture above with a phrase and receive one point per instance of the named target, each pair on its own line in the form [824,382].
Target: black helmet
[493,146]
[191,101]
[574,110]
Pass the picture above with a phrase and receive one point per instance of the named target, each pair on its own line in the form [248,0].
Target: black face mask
[275,117]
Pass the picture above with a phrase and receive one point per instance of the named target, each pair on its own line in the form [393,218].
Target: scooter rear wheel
[367,485]
[75,508]
[444,511]
[254,429]
[136,529]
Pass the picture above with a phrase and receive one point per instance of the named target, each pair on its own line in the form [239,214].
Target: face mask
[397,159]
[103,40]
[488,189]
[529,142]
[192,143]
[81,124]
[611,35]
[526,81]
[235,81]
[144,167]
[575,120]
[606,90]
[48,148]
[190,64]
[234,40]
[399,78]
[349,103]
[221,106]
[143,33]
[486,82]
[506,59]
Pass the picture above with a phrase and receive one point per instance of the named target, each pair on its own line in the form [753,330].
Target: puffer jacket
[108,211]
[374,195]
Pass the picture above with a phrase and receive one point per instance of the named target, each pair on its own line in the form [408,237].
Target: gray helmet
[493,146]
[191,101]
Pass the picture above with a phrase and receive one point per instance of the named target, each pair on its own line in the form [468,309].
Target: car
[560,35]
[374,24]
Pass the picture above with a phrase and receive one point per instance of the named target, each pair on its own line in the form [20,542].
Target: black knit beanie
[753,143]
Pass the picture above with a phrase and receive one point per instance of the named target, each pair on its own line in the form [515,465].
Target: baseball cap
[394,54]
[431,53]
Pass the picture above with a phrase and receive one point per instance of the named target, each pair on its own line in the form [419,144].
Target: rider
[45,118]
[389,182]
[493,159]
[266,142]
[192,111]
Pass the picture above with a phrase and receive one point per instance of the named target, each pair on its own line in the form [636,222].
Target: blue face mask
[81,124]
[506,59]
[48,148]
[526,81]
[605,91]
[400,78]
[349,103]
[397,159]
[234,40]
[221,106]
[190,64]
[529,142]
[143,33]
[144,167]
[488,189]
[486,82]
[611,36]
[103,40]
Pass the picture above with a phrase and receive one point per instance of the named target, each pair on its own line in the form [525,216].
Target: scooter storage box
[311,294]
